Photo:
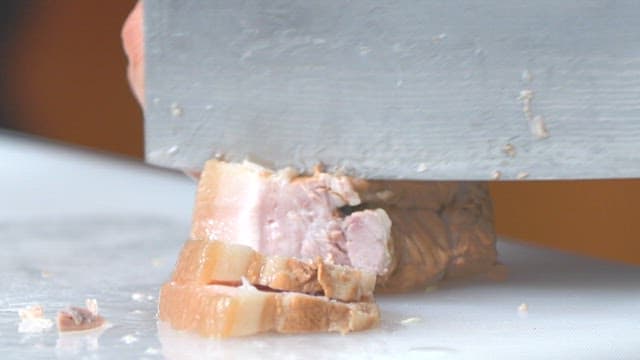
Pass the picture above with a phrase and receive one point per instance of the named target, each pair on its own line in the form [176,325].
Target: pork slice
[281,213]
[224,311]
[216,262]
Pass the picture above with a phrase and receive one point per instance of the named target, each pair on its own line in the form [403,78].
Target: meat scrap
[79,319]
[32,320]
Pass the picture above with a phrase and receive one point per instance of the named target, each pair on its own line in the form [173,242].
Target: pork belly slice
[281,213]
[225,311]
[216,262]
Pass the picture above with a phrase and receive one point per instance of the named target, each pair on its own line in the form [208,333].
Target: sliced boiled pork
[280,213]
[215,262]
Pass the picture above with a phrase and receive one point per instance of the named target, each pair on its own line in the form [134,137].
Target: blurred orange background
[64,79]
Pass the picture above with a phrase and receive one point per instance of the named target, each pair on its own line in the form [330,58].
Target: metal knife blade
[407,89]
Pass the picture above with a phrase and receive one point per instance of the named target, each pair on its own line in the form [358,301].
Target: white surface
[108,229]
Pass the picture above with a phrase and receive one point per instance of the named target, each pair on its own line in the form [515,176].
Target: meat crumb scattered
[31,312]
[32,320]
[496,175]
[137,296]
[152,351]
[80,319]
[422,167]
[523,308]
[129,339]
[156,262]
[411,320]
[176,110]
[522,175]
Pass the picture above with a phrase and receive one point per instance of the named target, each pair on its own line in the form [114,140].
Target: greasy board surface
[75,225]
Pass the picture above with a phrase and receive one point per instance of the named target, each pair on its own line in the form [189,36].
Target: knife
[407,89]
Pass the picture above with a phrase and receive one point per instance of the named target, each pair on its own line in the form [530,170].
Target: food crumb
[523,308]
[31,312]
[152,351]
[32,320]
[45,274]
[411,320]
[128,339]
[137,296]
[80,319]
[509,149]
[496,175]
[156,262]
[439,37]
[522,175]
[176,110]
[422,167]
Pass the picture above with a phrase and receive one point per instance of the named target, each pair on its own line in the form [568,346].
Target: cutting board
[75,224]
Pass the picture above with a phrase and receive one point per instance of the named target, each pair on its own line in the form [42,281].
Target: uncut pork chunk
[225,311]
[441,230]
[411,234]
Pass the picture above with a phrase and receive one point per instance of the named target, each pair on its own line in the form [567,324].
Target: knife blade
[423,90]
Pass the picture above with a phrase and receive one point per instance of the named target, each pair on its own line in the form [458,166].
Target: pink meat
[280,213]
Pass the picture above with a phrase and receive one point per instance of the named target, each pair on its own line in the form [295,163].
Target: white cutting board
[100,227]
